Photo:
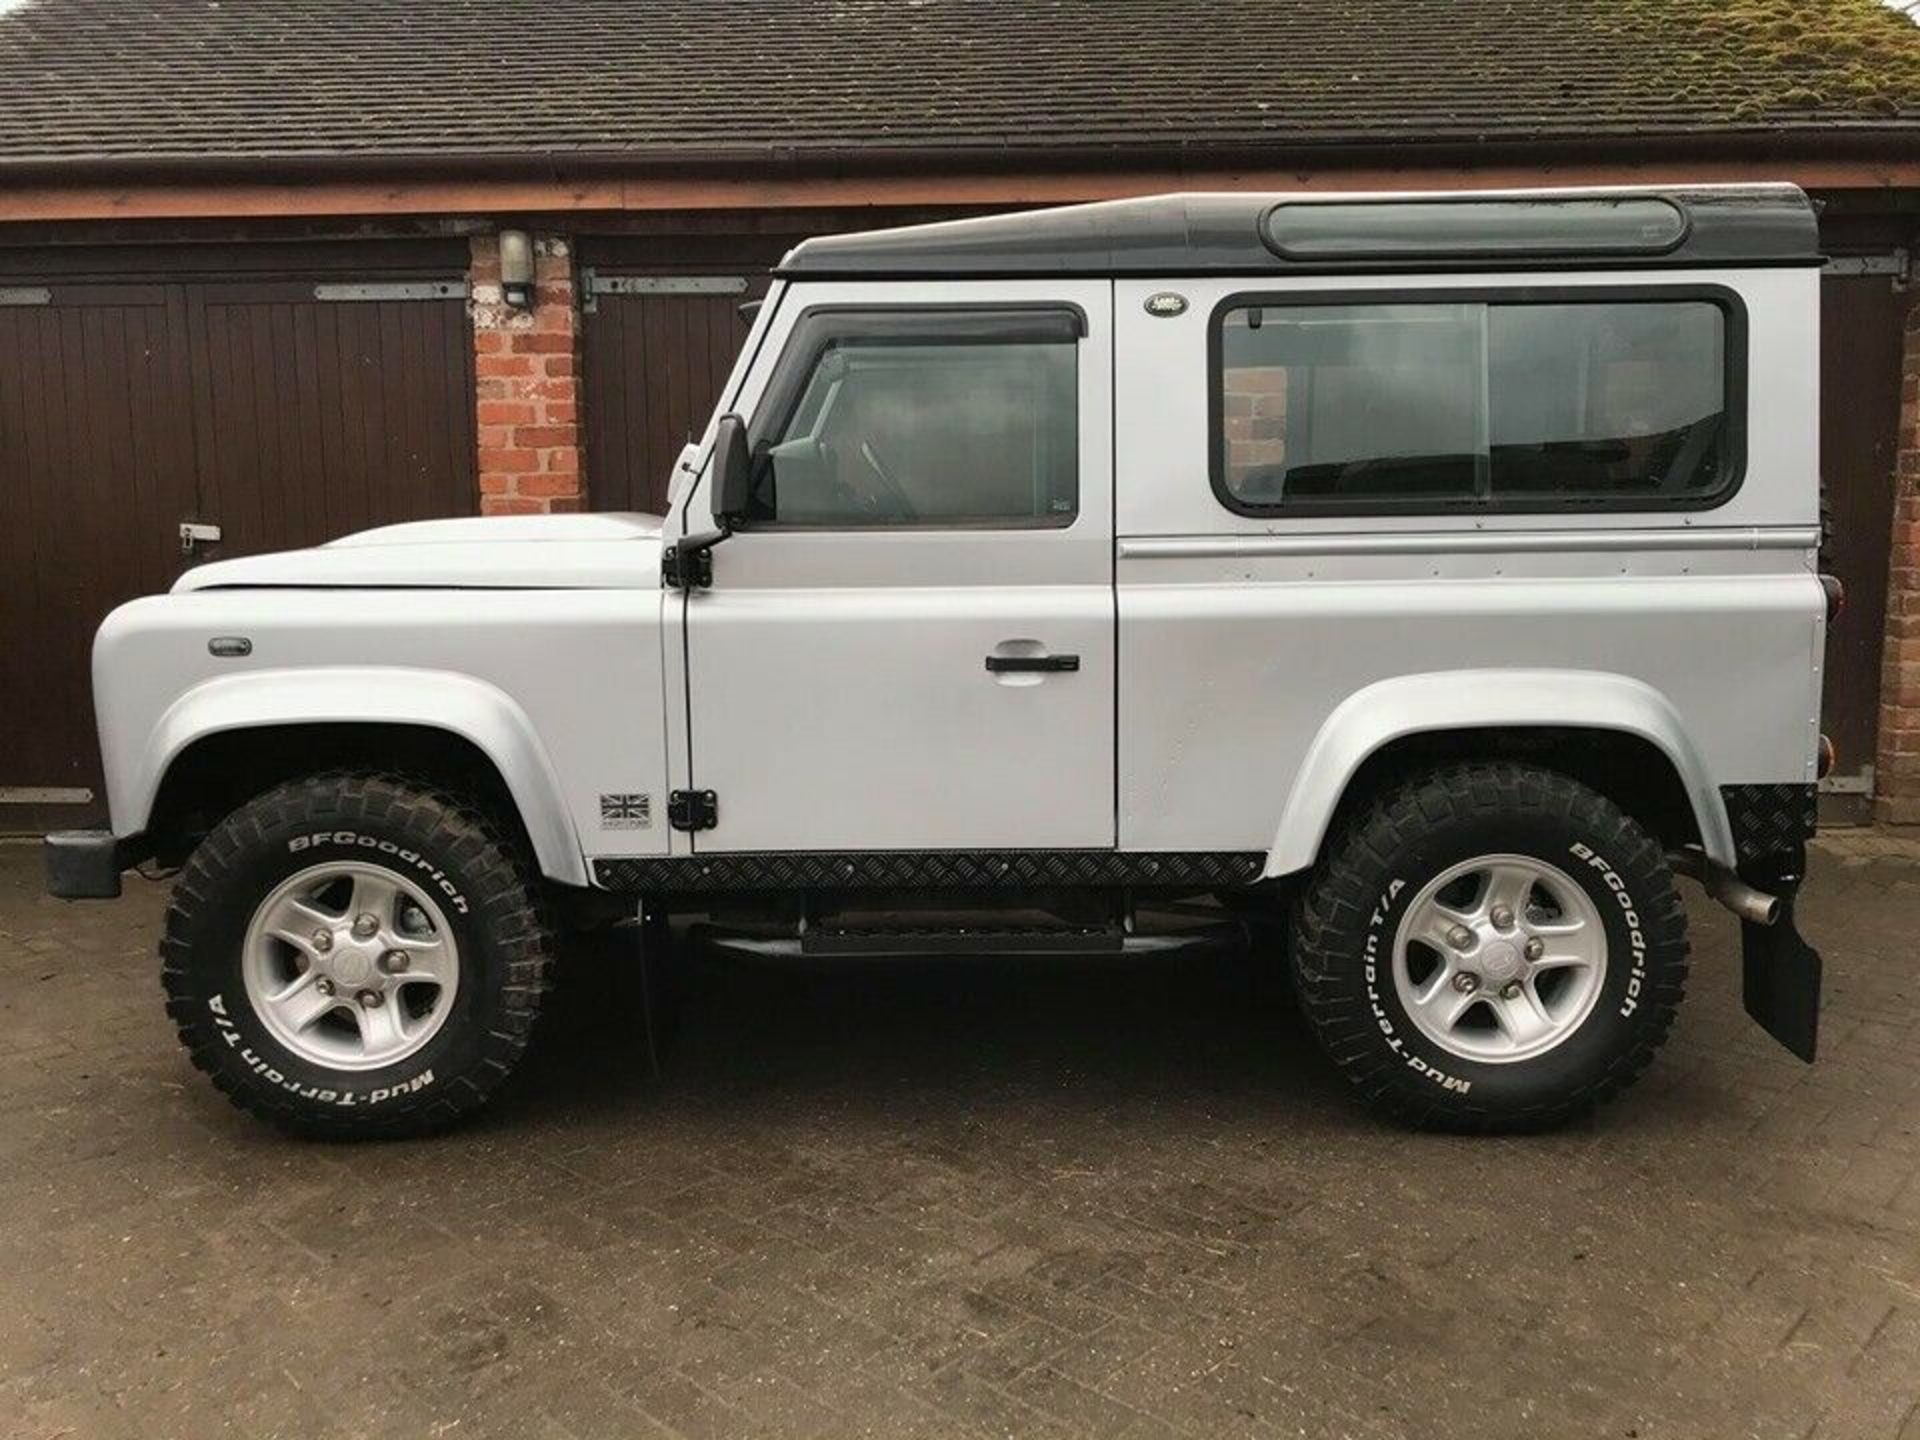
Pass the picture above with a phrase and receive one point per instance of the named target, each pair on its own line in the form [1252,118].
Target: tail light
[1827,758]
[1836,596]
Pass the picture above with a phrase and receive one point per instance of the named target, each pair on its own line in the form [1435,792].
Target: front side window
[1468,402]
[898,422]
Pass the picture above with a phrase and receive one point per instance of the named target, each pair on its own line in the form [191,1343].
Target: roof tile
[147,81]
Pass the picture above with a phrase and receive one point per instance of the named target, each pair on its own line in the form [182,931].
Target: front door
[910,645]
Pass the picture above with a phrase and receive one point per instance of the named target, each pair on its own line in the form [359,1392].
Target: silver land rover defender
[1420,582]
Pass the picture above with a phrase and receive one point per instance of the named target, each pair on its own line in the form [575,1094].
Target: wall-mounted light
[516,269]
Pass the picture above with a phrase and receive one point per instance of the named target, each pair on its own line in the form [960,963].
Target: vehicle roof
[1727,226]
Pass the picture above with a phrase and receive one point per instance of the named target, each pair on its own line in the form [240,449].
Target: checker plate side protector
[929,870]
[1769,819]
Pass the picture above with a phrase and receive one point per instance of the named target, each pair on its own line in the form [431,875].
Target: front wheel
[355,955]
[1491,947]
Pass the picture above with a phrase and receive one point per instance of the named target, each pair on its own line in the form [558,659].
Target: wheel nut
[323,985]
[370,999]
[1510,990]
[364,926]
[323,940]
[1502,918]
[394,961]
[1535,947]
[1460,938]
[1466,982]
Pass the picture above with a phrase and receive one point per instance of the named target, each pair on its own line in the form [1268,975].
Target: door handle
[1006,664]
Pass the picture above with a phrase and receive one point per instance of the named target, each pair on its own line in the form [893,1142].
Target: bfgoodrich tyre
[1491,947]
[355,955]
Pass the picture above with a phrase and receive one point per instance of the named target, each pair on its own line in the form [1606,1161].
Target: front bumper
[87,864]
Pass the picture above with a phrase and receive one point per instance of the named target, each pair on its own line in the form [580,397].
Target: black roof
[286,85]
[1732,225]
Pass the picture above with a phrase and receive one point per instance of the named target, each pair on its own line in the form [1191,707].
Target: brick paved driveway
[964,1200]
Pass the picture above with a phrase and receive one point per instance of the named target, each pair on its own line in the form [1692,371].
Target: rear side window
[1465,401]
[924,419]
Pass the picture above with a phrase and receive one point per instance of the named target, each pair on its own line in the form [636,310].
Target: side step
[911,941]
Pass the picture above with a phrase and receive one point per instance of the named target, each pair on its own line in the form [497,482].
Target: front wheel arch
[366,704]
[218,773]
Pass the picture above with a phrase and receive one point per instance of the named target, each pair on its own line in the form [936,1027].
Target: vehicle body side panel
[560,688]
[1238,676]
[1257,651]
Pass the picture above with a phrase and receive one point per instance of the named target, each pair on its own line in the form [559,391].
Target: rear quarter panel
[1242,637]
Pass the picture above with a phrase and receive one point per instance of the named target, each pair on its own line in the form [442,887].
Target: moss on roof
[1857,58]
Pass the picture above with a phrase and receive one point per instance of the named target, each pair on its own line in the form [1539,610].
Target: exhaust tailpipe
[1755,907]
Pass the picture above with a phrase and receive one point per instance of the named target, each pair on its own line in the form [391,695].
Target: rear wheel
[1491,947]
[355,955]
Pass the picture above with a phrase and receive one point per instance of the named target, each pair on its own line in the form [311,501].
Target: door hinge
[687,571]
[693,809]
[193,535]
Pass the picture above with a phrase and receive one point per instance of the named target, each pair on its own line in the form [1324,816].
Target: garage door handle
[1005,664]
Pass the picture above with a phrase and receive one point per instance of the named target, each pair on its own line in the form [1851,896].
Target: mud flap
[647,984]
[1782,981]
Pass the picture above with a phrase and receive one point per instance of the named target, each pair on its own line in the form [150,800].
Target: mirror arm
[688,565]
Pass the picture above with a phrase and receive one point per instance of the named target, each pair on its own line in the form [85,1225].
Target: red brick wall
[1256,417]
[527,384]
[1897,768]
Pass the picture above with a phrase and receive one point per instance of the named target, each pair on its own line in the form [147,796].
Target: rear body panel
[1244,638]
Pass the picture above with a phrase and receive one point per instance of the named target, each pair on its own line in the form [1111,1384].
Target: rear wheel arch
[1626,768]
[1618,736]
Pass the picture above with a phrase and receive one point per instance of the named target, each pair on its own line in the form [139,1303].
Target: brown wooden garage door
[661,327]
[1861,314]
[285,407]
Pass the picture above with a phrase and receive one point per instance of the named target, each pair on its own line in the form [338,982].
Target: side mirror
[732,472]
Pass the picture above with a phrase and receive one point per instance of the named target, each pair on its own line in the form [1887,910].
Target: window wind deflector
[1464,229]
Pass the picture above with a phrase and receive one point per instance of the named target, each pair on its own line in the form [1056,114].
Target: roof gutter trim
[1413,151]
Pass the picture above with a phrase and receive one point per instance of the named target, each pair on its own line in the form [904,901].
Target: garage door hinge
[393,290]
[693,809]
[593,285]
[1896,266]
[1858,783]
